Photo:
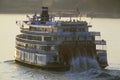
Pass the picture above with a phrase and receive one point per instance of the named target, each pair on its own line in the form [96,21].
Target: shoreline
[72,14]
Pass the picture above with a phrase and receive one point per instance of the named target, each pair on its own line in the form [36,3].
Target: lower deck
[63,58]
[53,66]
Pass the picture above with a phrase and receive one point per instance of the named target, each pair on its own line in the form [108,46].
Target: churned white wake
[81,63]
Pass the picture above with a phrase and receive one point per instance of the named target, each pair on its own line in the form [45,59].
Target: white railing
[95,33]
[26,30]
[100,42]
[36,41]
[37,50]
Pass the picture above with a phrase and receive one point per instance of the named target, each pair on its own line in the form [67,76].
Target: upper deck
[45,23]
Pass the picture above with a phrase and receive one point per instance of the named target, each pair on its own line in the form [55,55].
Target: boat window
[66,30]
[54,58]
[40,58]
[53,47]
[35,38]
[47,39]
[46,48]
[30,56]
[81,30]
[73,30]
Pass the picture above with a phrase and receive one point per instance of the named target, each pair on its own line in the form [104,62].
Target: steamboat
[57,44]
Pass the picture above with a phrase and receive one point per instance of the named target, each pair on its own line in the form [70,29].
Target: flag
[28,17]
[78,12]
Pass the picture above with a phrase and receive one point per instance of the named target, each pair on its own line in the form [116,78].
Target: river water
[9,70]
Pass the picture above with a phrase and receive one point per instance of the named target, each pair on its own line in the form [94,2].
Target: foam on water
[81,63]
[12,71]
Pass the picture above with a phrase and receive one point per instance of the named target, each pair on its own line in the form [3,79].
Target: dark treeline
[26,6]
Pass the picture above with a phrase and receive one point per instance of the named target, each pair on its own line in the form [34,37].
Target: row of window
[78,38]
[50,38]
[73,29]
[34,38]
[39,38]
[74,24]
[36,46]
[101,47]
[42,29]
[31,57]
[55,30]
[63,38]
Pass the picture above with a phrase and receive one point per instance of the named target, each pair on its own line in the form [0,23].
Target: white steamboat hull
[34,60]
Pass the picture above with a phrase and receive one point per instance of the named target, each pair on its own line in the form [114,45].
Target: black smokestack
[45,15]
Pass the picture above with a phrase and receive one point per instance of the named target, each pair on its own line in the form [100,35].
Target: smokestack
[45,15]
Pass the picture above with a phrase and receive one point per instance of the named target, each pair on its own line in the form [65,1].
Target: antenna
[91,18]
[78,14]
